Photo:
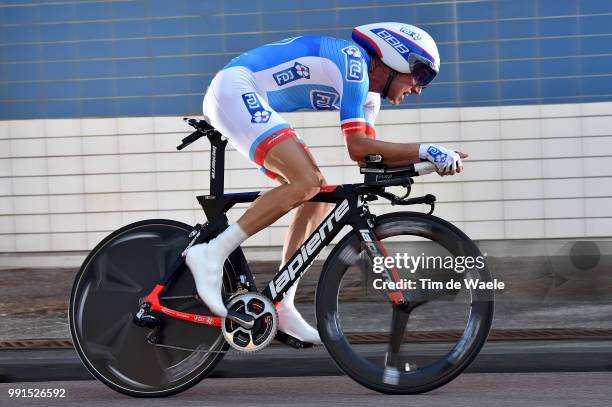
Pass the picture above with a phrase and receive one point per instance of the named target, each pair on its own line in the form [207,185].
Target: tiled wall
[534,172]
[61,58]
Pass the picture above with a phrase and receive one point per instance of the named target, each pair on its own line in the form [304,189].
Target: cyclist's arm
[395,154]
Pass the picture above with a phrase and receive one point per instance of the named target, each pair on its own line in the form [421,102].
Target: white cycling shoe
[291,322]
[207,269]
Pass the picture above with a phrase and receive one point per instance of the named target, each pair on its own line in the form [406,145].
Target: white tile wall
[24,205]
[561,127]
[62,127]
[65,184]
[95,127]
[36,242]
[137,163]
[28,147]
[65,165]
[6,205]
[69,241]
[69,222]
[598,227]
[141,181]
[32,224]
[29,166]
[26,128]
[4,130]
[7,224]
[557,228]
[7,244]
[106,221]
[101,183]
[139,143]
[5,167]
[135,125]
[524,209]
[31,185]
[67,203]
[104,202]
[520,129]
[100,145]
[597,125]
[97,164]
[64,146]
[480,130]
[68,184]
[5,148]
[596,145]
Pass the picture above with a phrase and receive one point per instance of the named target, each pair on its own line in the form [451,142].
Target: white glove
[444,159]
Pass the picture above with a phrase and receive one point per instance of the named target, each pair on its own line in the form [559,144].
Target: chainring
[266,322]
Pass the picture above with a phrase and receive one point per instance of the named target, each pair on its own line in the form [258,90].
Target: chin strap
[392,74]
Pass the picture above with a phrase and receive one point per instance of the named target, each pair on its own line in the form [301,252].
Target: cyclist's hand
[447,162]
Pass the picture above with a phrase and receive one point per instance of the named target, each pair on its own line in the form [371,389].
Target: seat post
[217,163]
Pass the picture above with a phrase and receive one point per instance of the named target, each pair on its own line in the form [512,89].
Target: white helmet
[401,47]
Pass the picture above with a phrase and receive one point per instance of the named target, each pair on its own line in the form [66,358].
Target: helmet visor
[422,69]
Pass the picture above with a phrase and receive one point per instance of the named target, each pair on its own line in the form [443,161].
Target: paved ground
[491,390]
[506,357]
[542,292]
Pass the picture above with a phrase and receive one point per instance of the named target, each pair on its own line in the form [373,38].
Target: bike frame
[348,211]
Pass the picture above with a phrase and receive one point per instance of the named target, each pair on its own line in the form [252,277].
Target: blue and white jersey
[317,73]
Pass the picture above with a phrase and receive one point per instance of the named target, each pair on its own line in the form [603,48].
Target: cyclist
[385,60]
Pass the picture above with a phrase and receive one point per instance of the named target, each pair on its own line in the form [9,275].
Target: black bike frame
[348,211]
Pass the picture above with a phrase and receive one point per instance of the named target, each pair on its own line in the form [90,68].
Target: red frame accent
[328,188]
[396,296]
[153,299]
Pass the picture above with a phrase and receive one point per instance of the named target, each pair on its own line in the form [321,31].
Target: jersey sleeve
[355,84]
[370,110]
[358,108]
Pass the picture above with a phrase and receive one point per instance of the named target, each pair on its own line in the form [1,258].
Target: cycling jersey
[308,72]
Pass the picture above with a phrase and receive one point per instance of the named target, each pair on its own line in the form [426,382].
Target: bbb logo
[322,100]
[296,72]
[391,40]
[255,108]
[354,64]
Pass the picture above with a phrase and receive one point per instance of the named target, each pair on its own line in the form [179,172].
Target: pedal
[292,341]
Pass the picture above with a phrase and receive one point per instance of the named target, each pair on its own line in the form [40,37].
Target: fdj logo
[391,40]
[354,64]
[297,71]
[257,111]
[322,100]
[436,154]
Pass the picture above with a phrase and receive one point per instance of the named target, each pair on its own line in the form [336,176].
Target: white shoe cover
[207,270]
[290,321]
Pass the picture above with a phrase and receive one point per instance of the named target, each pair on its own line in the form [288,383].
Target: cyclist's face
[403,84]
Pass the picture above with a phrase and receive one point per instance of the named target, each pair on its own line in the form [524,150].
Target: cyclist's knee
[304,187]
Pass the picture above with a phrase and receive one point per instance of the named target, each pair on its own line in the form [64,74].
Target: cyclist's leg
[289,160]
[307,217]
[255,129]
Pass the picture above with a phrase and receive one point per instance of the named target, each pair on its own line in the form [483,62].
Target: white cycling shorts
[234,107]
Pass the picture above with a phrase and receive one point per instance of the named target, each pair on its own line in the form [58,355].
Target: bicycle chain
[163,345]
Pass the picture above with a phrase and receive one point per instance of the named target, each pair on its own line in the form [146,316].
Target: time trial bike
[139,327]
